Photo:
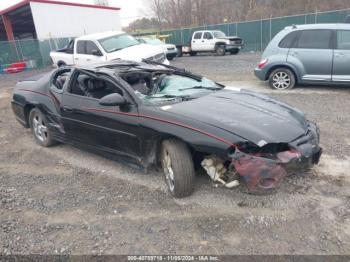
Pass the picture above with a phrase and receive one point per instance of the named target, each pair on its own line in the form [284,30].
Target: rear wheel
[281,79]
[178,168]
[39,125]
[61,64]
[234,51]
[179,52]
[221,50]
[193,53]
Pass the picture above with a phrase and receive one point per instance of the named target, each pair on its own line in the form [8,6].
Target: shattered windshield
[177,88]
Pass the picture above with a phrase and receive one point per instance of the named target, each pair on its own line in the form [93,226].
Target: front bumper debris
[263,174]
[264,171]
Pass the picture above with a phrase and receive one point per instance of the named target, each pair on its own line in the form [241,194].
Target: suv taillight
[263,63]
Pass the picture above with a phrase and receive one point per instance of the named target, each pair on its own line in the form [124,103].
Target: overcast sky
[130,9]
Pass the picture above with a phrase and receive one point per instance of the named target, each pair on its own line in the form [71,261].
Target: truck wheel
[61,64]
[281,79]
[234,51]
[179,52]
[38,124]
[193,53]
[221,50]
[178,168]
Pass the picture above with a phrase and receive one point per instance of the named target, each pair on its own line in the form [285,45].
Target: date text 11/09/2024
[173,258]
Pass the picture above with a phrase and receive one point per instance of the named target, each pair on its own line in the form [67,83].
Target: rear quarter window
[289,40]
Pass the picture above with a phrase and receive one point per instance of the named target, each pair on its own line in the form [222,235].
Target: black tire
[193,53]
[170,58]
[282,79]
[179,52]
[220,50]
[234,51]
[181,164]
[45,139]
[61,64]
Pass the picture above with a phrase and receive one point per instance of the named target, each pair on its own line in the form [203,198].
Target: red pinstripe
[147,117]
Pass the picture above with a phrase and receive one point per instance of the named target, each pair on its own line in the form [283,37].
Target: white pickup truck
[211,41]
[102,47]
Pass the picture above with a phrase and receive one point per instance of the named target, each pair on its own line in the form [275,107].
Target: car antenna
[294,26]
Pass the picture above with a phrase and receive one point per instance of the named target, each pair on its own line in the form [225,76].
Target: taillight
[263,63]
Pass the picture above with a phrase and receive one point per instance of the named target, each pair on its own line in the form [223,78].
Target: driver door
[110,129]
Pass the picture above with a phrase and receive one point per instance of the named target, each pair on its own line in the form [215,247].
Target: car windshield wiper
[201,87]
[184,98]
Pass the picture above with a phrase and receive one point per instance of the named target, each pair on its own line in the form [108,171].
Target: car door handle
[76,58]
[340,55]
[88,59]
[294,53]
[68,109]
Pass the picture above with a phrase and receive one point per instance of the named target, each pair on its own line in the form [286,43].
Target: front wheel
[178,168]
[193,53]
[234,51]
[179,52]
[40,130]
[282,79]
[221,50]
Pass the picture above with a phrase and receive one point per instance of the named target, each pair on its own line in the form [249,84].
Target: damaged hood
[257,118]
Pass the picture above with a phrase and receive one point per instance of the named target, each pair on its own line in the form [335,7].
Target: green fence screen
[256,34]
[36,53]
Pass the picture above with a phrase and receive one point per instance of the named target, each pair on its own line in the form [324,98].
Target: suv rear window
[315,39]
[289,40]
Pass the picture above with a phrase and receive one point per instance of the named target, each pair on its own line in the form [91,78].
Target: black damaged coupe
[152,114]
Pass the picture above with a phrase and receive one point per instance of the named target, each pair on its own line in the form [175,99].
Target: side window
[197,35]
[81,47]
[343,39]
[70,47]
[289,40]
[315,39]
[93,87]
[60,78]
[207,36]
[91,48]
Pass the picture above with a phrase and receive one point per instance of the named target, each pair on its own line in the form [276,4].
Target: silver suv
[307,54]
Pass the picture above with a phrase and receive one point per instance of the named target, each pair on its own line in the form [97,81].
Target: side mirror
[96,52]
[112,100]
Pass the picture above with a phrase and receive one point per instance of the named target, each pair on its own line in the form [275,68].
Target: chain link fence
[256,34]
[26,54]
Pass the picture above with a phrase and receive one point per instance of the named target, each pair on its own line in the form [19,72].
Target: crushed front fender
[263,172]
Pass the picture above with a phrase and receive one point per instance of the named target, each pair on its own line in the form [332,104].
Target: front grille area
[236,42]
[160,58]
[171,48]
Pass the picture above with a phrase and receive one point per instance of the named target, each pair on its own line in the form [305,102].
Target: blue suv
[307,54]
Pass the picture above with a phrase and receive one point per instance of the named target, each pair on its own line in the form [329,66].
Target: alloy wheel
[40,129]
[168,171]
[281,80]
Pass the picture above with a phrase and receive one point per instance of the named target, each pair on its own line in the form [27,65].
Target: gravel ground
[62,200]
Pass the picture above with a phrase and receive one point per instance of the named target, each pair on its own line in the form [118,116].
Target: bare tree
[185,13]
